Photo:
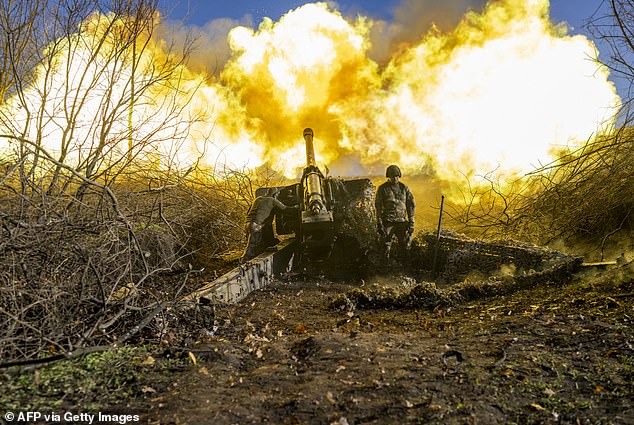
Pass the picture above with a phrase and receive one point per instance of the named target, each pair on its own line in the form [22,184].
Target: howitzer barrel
[317,222]
[310,149]
[314,192]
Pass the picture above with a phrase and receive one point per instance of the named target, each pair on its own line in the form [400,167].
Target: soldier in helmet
[395,209]
[259,225]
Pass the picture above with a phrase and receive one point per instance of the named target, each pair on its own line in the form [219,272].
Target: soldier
[395,209]
[259,221]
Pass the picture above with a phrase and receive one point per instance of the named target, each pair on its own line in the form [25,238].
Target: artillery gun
[332,214]
[333,219]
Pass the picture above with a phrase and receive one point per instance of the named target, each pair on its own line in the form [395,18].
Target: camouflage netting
[459,255]
[354,217]
[480,269]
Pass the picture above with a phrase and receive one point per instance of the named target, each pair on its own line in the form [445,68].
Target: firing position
[259,223]
[395,209]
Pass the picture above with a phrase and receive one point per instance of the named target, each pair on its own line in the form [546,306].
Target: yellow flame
[503,90]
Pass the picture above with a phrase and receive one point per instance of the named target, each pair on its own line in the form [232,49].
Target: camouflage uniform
[259,225]
[395,209]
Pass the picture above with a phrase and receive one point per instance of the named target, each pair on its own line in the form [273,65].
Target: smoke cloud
[412,20]
[446,89]
[210,44]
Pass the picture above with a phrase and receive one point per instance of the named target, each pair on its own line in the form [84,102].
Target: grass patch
[93,381]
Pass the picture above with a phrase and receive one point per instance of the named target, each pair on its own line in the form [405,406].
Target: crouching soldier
[259,223]
[395,209]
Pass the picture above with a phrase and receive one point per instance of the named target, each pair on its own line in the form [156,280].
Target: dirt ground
[552,354]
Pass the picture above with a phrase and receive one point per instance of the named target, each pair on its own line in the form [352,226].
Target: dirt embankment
[289,355]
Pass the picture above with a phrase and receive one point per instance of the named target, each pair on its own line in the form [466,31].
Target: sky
[202,10]
[199,12]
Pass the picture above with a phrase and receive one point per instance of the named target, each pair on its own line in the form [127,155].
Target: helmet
[393,171]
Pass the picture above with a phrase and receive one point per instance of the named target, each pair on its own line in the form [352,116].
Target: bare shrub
[613,23]
[584,199]
[101,228]
[80,276]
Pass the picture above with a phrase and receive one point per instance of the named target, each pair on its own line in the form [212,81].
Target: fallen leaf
[146,390]
[192,357]
[149,361]
[127,290]
[203,370]
[549,392]
[340,368]
[330,398]
[250,338]
[277,315]
[537,407]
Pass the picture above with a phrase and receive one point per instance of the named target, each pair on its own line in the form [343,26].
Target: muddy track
[552,354]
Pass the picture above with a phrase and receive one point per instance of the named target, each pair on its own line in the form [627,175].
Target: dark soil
[554,353]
